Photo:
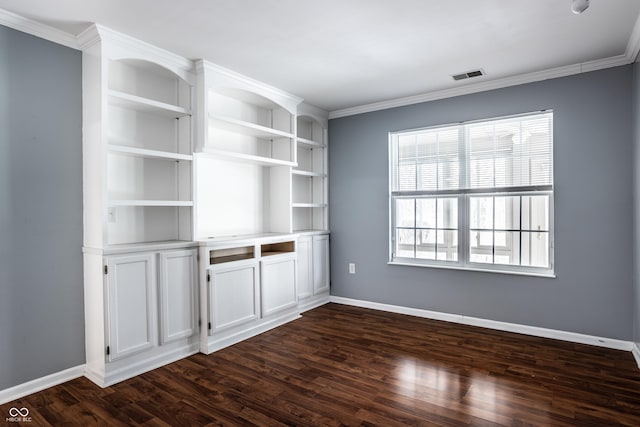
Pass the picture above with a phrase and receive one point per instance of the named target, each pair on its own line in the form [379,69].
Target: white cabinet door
[233,294]
[278,282]
[305,267]
[320,264]
[130,304]
[177,294]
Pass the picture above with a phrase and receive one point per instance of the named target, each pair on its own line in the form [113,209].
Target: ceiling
[338,54]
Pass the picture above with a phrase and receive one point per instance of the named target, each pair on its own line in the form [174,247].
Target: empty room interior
[297,213]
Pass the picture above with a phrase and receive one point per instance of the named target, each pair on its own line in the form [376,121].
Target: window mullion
[463,229]
[463,210]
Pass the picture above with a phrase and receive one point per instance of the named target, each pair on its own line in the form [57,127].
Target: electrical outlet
[352,268]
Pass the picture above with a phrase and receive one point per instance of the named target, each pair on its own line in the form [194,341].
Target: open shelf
[270,249]
[116,203]
[308,173]
[309,205]
[220,256]
[308,143]
[138,103]
[246,128]
[311,232]
[139,223]
[147,153]
[249,158]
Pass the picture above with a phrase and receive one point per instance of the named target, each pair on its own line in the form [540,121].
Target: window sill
[549,275]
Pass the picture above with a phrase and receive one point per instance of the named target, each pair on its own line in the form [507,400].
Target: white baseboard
[636,353]
[313,302]
[493,324]
[216,343]
[24,389]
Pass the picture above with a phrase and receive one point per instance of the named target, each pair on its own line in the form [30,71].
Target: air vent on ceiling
[468,75]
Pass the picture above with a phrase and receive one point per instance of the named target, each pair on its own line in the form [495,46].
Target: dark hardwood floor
[341,365]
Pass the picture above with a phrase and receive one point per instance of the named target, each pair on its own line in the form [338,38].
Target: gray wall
[593,291]
[41,292]
[636,193]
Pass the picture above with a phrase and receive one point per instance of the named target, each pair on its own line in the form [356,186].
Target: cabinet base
[222,340]
[113,376]
[315,301]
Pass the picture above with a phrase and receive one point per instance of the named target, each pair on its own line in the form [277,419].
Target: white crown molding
[486,85]
[203,64]
[34,386]
[633,46]
[491,324]
[88,37]
[38,29]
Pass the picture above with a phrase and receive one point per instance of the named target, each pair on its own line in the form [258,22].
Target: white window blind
[505,153]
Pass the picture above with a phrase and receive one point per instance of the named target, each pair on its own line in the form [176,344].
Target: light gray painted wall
[636,193]
[41,291]
[592,293]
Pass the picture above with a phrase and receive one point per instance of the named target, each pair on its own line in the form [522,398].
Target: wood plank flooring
[341,365]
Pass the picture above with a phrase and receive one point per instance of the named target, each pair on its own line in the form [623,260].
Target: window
[474,195]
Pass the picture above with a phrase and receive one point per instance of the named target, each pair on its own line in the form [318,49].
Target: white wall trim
[486,85]
[38,29]
[491,324]
[34,386]
[636,353]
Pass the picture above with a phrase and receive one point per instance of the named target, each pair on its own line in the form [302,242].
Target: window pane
[481,246]
[507,248]
[507,213]
[426,213]
[447,245]
[535,249]
[448,213]
[535,213]
[426,246]
[481,212]
[405,212]
[405,242]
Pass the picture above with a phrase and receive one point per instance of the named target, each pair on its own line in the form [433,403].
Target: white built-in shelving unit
[140,261]
[245,151]
[310,183]
[185,160]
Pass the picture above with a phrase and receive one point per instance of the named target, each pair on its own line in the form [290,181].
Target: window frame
[463,197]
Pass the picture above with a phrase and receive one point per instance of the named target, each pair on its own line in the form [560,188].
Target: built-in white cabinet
[177,276]
[248,285]
[130,304]
[313,271]
[305,267]
[320,264]
[234,294]
[278,281]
